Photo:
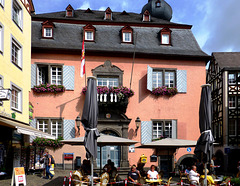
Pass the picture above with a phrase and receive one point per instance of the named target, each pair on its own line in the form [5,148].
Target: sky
[215,22]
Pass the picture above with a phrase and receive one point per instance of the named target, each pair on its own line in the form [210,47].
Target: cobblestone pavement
[36,180]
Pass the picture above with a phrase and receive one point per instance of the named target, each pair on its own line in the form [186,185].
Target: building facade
[145,52]
[15,73]
[223,75]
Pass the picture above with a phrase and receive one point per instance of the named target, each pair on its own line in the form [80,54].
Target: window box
[161,91]
[120,91]
[49,88]
[42,142]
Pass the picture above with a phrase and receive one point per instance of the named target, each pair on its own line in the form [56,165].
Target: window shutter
[68,129]
[68,77]
[182,81]
[174,129]
[149,78]
[33,124]
[33,75]
[146,132]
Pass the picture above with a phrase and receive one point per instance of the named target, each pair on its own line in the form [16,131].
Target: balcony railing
[108,98]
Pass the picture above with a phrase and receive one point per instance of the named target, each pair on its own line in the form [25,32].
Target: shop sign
[5,94]
[18,177]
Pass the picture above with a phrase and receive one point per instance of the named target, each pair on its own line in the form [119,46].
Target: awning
[23,128]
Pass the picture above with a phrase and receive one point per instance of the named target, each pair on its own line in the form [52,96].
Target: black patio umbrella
[90,120]
[204,147]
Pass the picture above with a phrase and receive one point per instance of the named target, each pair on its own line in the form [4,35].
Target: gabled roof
[227,59]
[107,40]
[97,16]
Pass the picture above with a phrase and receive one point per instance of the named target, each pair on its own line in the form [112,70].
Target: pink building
[166,55]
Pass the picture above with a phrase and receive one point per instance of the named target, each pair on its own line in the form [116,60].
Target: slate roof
[227,59]
[107,39]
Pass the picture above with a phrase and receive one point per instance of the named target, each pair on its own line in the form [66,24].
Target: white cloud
[102,8]
[124,5]
[85,5]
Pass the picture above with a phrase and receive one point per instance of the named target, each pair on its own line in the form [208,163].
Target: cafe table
[152,181]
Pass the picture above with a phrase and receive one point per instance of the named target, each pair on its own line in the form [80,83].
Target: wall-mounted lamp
[78,121]
[137,122]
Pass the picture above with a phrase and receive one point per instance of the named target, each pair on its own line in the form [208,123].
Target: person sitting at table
[86,167]
[186,172]
[134,174]
[152,174]
[194,176]
[210,180]
[108,167]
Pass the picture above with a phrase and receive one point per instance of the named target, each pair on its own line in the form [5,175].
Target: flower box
[161,91]
[52,88]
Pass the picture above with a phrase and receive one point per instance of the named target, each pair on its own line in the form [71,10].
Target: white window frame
[58,123]
[17,46]
[43,124]
[17,17]
[108,81]
[58,80]
[159,128]
[127,37]
[48,32]
[47,126]
[2,3]
[232,102]
[165,39]
[16,105]
[1,38]
[87,34]
[1,81]
[164,80]
[232,81]
[58,77]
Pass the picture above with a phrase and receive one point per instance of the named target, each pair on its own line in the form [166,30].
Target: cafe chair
[183,177]
[77,177]
[192,182]
[169,181]
[104,178]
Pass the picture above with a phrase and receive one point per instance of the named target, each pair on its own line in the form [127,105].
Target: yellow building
[15,82]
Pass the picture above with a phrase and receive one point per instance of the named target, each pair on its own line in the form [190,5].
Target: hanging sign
[18,176]
[5,94]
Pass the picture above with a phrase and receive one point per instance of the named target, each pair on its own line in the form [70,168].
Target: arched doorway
[109,152]
[186,161]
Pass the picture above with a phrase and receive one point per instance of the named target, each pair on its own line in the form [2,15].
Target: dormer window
[69,11]
[165,35]
[108,14]
[89,32]
[47,30]
[146,16]
[158,4]
[127,33]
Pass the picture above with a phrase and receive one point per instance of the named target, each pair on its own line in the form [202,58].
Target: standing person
[134,174]
[152,174]
[194,176]
[212,165]
[48,165]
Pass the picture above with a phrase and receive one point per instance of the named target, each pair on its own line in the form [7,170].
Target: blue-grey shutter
[174,129]
[33,124]
[182,81]
[68,129]
[33,75]
[149,78]
[146,132]
[68,77]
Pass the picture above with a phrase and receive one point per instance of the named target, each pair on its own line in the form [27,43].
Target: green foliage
[42,142]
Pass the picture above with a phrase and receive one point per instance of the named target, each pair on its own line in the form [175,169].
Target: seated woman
[152,174]
[134,174]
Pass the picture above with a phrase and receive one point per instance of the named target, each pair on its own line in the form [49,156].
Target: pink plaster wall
[183,106]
